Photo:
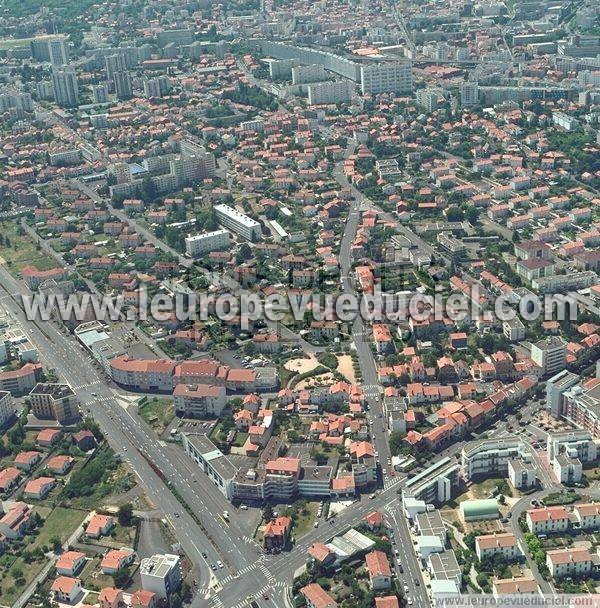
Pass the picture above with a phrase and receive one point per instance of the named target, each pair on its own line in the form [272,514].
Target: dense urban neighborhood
[299,303]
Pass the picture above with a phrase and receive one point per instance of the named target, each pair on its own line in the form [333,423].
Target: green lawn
[21,250]
[240,439]
[157,412]
[10,587]
[92,577]
[305,520]
[61,523]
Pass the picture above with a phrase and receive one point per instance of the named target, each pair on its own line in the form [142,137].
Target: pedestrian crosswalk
[268,575]
[371,389]
[87,385]
[390,482]
[259,564]
[249,540]
[266,591]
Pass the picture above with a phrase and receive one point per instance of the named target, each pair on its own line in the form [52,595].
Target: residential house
[491,545]
[547,520]
[276,533]
[70,563]
[39,488]
[317,597]
[66,589]
[575,563]
[99,525]
[378,568]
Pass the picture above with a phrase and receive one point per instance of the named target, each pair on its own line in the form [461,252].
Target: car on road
[401,568]
[372,496]
[176,514]
[220,564]
[417,582]
[213,567]
[409,601]
[204,554]
[244,507]
[405,587]
[316,524]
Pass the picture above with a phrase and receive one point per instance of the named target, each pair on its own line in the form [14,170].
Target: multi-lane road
[161,467]
[136,443]
[411,576]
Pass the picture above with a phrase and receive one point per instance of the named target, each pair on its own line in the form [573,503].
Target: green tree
[121,578]
[148,191]
[125,514]
[55,543]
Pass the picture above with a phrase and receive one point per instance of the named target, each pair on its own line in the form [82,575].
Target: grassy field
[14,43]
[61,523]
[240,439]
[157,412]
[93,578]
[592,473]
[480,490]
[305,520]
[21,250]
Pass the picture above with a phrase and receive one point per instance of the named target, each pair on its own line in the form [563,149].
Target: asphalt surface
[411,577]
[138,446]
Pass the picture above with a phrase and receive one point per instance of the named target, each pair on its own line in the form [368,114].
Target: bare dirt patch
[346,368]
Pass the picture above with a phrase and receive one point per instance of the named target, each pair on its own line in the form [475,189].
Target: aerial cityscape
[299,303]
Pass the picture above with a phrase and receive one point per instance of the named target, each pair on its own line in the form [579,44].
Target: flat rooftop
[56,391]
[236,215]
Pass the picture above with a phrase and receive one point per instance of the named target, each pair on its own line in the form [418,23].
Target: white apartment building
[577,443]
[521,474]
[557,283]
[201,244]
[550,355]
[581,406]
[199,400]
[240,223]
[490,545]
[4,349]
[436,484]
[514,330]
[547,520]
[329,92]
[7,407]
[302,74]
[491,456]
[161,574]
[566,122]
[570,562]
[429,98]
[556,388]
[588,515]
[469,94]
[65,157]
[65,87]
[212,461]
[395,77]
[568,469]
